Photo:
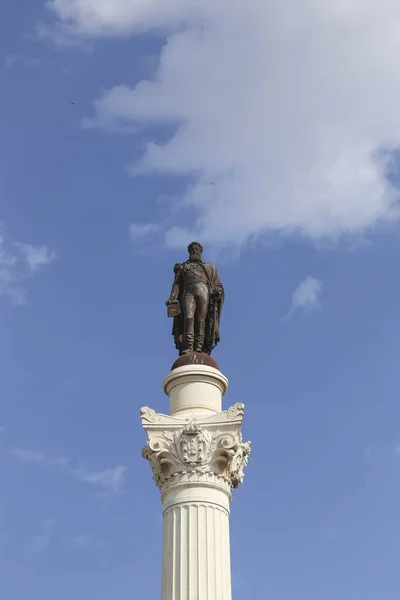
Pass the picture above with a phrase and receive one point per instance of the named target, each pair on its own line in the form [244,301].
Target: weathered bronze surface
[195,358]
[195,304]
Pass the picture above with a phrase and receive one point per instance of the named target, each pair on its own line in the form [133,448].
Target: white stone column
[196,552]
[197,457]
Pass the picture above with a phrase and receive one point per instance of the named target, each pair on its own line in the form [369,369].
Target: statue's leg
[201,314]
[189,308]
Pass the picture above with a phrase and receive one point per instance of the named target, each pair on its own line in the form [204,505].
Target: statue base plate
[195,358]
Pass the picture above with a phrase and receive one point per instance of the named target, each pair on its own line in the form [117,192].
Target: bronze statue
[195,303]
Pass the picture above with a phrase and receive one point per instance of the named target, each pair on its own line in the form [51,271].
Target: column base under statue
[195,358]
[197,457]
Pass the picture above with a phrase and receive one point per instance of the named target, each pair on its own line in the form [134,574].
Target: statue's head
[195,250]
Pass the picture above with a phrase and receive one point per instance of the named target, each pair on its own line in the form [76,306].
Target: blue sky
[116,118]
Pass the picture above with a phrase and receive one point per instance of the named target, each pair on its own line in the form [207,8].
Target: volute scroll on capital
[195,450]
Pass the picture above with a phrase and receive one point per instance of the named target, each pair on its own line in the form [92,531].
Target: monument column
[197,456]
[196,451]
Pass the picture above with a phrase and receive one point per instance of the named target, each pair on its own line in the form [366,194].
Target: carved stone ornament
[196,449]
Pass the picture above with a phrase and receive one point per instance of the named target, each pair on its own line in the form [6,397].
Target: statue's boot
[189,336]
[199,342]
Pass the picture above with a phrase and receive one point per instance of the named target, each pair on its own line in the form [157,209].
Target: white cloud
[28,456]
[32,456]
[119,17]
[113,479]
[12,59]
[306,296]
[18,262]
[36,256]
[282,105]
[10,277]
[141,231]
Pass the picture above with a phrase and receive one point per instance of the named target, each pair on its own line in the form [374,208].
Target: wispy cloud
[113,479]
[60,36]
[13,59]
[36,257]
[31,456]
[44,538]
[290,138]
[18,263]
[139,232]
[306,296]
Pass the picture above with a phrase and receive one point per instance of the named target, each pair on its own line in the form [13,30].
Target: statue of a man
[195,302]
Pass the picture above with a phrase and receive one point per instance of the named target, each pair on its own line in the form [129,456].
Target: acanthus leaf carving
[239,461]
[194,451]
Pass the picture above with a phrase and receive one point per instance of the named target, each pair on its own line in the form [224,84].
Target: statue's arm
[176,286]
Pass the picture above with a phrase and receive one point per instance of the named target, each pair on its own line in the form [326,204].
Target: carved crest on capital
[206,450]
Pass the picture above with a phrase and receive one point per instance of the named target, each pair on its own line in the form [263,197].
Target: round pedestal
[195,389]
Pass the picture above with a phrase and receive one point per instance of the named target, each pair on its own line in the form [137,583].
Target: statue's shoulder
[178,267]
[209,266]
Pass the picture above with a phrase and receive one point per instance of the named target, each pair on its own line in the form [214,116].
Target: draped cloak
[213,319]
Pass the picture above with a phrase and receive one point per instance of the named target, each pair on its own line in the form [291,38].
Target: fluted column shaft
[196,547]
[197,456]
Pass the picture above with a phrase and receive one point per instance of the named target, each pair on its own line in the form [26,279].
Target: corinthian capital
[196,449]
